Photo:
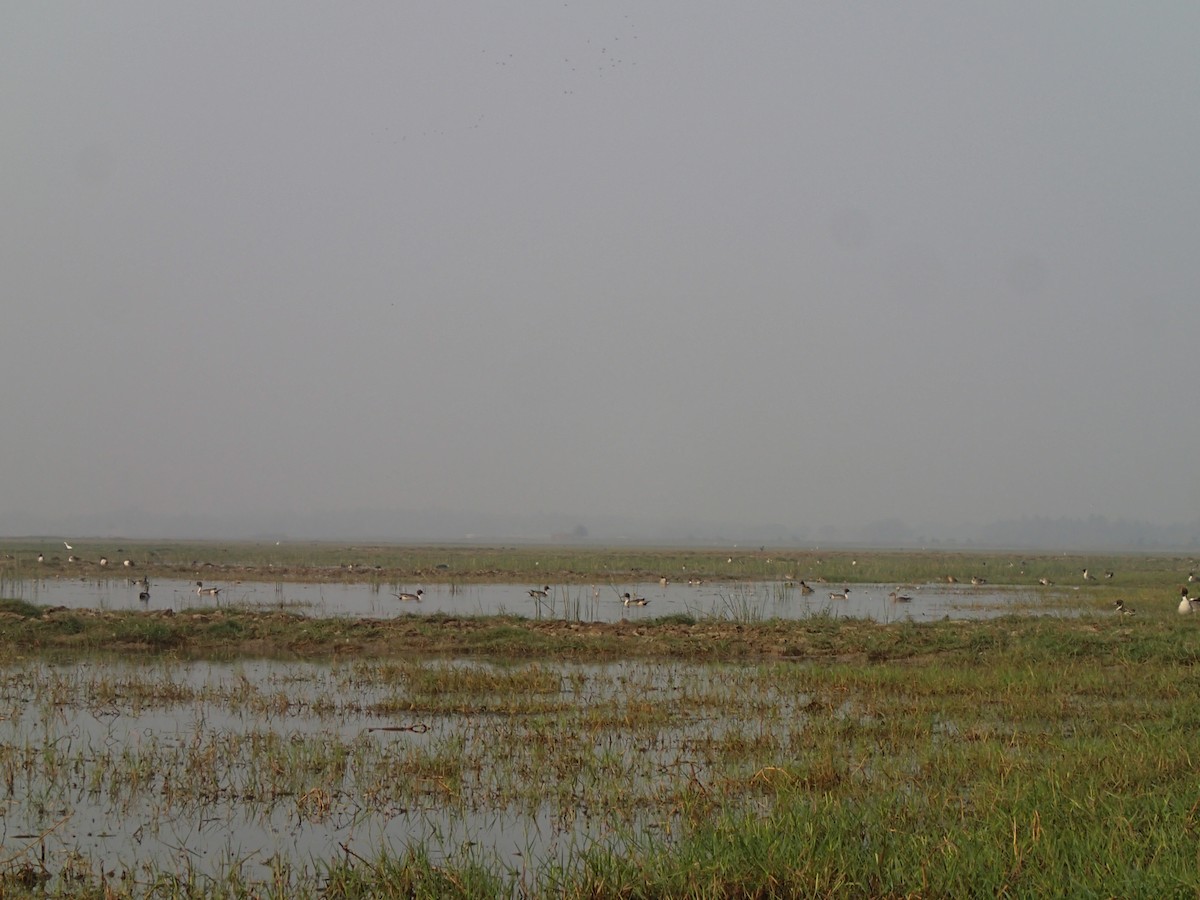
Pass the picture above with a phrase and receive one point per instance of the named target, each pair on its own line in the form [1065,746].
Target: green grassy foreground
[1035,756]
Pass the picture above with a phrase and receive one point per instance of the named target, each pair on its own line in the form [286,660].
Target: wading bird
[416,598]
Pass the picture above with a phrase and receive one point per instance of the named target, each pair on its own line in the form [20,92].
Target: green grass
[400,565]
[1020,756]
[1004,767]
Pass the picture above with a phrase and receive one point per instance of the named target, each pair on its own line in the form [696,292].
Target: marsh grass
[1007,757]
[682,756]
[379,564]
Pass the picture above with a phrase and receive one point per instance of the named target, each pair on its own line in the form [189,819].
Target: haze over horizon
[809,266]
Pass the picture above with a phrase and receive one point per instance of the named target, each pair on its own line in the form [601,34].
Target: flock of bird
[1187,604]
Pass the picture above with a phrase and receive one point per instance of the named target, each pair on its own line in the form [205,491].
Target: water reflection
[204,766]
[742,601]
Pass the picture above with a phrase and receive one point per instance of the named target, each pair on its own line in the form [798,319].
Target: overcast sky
[817,264]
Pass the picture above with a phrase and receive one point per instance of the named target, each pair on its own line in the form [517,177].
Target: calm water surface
[744,601]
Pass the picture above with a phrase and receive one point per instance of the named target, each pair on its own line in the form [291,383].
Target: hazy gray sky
[818,264]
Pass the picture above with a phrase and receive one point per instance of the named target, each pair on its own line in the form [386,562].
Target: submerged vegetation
[270,754]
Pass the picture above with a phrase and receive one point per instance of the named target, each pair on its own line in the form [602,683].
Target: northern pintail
[415,598]
[535,593]
[1122,608]
[629,600]
[1187,604]
[203,591]
[898,598]
[844,595]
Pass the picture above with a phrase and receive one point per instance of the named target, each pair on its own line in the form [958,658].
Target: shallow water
[742,601]
[209,767]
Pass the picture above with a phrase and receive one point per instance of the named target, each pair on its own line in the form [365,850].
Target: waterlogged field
[237,751]
[738,600]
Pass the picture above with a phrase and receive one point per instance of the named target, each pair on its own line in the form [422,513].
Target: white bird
[413,597]
[844,595]
[1187,604]
[634,601]
[68,546]
[535,593]
[201,590]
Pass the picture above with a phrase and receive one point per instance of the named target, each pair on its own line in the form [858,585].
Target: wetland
[1006,738]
